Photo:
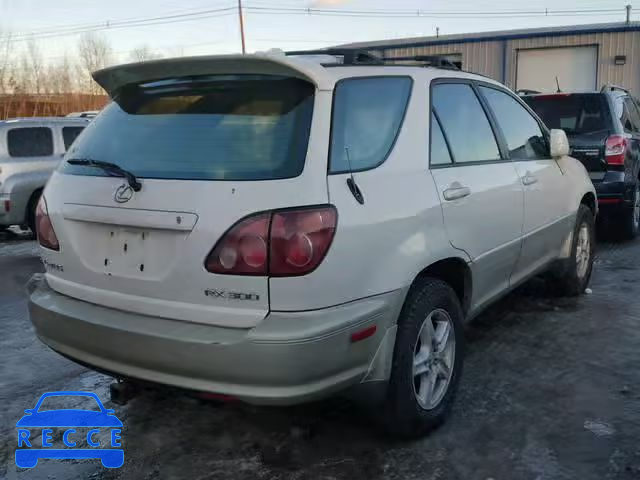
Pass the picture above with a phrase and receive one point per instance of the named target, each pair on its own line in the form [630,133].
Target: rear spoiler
[113,79]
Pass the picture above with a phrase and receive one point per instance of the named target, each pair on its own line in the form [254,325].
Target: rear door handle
[454,193]
[529,179]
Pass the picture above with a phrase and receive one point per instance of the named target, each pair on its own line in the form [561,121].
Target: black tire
[404,416]
[629,219]
[572,280]
[31,211]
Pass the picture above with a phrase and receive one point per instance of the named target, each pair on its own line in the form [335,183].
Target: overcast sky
[217,31]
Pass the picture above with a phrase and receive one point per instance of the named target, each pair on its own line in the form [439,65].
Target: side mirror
[559,143]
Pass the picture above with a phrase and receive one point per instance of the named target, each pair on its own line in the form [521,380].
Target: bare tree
[143,53]
[60,78]
[5,61]
[35,66]
[94,53]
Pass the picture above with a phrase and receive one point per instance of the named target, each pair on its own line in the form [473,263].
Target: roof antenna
[351,182]
[558,84]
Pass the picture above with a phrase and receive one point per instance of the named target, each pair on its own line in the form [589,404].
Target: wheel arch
[456,273]
[589,199]
[33,200]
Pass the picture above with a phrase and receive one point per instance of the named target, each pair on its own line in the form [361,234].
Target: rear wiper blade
[109,168]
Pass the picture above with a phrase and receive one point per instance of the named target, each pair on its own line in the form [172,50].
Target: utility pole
[628,7]
[241,25]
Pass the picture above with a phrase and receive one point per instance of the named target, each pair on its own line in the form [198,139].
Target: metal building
[583,57]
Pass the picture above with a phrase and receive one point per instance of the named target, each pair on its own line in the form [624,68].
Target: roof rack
[526,91]
[350,56]
[439,61]
[612,88]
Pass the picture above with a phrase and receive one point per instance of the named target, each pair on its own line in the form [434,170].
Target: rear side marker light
[44,229]
[615,149]
[363,334]
[7,206]
[279,243]
[605,201]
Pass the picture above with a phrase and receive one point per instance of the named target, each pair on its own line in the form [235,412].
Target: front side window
[30,142]
[522,133]
[464,123]
[69,134]
[217,127]
[367,116]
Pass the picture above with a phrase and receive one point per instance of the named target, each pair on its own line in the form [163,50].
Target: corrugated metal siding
[478,57]
[487,57]
[609,45]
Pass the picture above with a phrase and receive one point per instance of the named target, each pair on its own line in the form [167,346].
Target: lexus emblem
[123,193]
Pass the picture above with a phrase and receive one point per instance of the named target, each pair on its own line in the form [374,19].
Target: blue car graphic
[67,419]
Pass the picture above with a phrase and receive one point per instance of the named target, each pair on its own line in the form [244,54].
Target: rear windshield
[575,114]
[231,127]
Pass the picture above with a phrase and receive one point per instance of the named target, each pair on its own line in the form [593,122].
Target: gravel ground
[551,390]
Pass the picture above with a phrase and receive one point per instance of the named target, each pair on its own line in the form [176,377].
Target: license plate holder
[125,253]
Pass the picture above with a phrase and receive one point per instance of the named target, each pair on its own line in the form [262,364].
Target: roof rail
[439,61]
[350,56]
[611,88]
[526,91]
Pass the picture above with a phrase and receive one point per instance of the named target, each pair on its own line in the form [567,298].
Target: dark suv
[604,133]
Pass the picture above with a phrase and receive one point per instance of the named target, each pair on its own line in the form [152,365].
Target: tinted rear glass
[30,142]
[575,114]
[231,127]
[367,117]
[69,134]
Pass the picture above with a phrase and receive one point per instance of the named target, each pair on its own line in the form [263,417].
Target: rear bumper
[614,191]
[290,357]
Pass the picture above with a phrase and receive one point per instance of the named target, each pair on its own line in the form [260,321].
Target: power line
[192,15]
[108,25]
[57,28]
[431,13]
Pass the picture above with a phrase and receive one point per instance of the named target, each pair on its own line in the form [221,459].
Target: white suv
[276,230]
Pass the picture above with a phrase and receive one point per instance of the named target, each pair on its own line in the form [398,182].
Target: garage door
[575,68]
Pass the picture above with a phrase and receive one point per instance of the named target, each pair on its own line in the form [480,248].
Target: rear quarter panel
[383,244]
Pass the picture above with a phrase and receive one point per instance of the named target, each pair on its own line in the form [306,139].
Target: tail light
[44,228]
[281,243]
[615,149]
[243,250]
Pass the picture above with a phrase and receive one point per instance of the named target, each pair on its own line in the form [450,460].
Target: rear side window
[216,127]
[367,116]
[464,123]
[521,131]
[30,142]
[575,114]
[439,151]
[69,134]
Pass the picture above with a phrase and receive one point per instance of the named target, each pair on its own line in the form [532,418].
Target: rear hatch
[209,150]
[585,118]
